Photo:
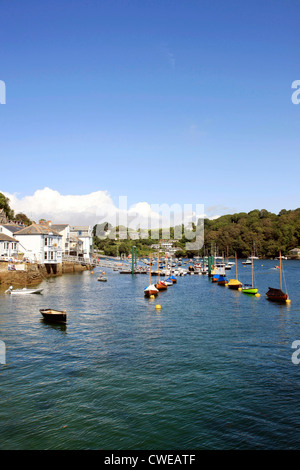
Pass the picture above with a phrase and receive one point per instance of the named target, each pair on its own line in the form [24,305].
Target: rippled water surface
[211,370]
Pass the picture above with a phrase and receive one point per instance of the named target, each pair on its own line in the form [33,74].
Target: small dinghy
[54,316]
[11,290]
[150,290]
[101,278]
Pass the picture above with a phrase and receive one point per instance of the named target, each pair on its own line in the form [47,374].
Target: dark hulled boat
[54,316]
[276,294]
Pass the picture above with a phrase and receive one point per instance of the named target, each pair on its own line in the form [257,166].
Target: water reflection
[55,326]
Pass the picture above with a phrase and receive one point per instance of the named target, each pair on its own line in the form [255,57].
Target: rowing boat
[55,316]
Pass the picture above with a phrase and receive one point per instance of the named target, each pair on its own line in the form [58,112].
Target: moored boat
[278,295]
[150,290]
[54,316]
[235,283]
[249,288]
[222,281]
[248,261]
[25,290]
[160,285]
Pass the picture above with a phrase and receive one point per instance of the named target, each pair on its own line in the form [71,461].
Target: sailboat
[151,289]
[222,281]
[161,285]
[277,294]
[249,288]
[171,277]
[235,283]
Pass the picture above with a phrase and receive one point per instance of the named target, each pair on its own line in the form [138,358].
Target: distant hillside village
[48,243]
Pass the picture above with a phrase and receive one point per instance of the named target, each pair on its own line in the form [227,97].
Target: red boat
[161,285]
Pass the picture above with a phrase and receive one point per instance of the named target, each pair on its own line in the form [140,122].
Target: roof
[38,229]
[59,227]
[6,238]
[12,227]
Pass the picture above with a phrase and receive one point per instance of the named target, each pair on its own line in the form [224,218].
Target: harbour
[211,369]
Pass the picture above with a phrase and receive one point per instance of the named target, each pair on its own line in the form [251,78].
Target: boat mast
[280,272]
[158,265]
[150,270]
[252,270]
[236,266]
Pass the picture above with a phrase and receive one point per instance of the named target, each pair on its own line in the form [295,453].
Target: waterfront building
[64,231]
[40,243]
[76,246]
[84,233]
[8,246]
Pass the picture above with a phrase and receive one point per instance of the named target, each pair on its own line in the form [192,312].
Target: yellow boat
[235,283]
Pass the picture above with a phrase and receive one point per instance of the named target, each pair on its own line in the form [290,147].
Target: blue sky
[171,101]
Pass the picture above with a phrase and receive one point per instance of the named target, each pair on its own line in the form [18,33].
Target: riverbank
[33,274]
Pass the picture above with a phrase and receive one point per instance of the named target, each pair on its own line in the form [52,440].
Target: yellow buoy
[240,289]
[257,295]
[103,272]
[158,307]
[92,272]
[288,301]
[152,297]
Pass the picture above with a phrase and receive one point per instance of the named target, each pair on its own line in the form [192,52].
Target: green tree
[4,204]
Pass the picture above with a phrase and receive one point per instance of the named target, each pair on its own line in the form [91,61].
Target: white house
[8,246]
[84,233]
[40,243]
[166,245]
[64,231]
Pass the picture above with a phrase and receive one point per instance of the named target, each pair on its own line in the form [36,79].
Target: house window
[45,254]
[46,241]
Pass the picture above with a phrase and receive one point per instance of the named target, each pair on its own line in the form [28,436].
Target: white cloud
[51,205]
[98,207]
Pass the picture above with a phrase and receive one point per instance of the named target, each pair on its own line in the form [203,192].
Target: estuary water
[212,369]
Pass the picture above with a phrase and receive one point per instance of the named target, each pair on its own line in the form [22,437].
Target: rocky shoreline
[36,273]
